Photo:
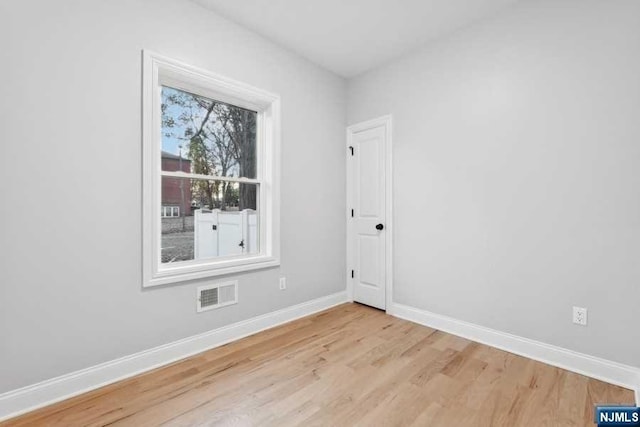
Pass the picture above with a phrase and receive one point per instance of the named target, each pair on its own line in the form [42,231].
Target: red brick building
[176,200]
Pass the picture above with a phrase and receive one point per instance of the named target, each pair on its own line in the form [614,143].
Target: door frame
[358,127]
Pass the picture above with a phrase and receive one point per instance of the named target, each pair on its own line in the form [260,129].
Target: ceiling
[350,37]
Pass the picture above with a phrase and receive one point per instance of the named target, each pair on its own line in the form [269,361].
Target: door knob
[379,227]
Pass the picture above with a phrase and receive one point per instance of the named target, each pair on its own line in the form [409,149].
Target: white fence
[225,233]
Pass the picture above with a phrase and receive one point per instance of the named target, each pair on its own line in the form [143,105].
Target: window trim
[159,70]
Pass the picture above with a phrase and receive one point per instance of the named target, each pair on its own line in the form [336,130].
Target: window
[210,191]
[170,211]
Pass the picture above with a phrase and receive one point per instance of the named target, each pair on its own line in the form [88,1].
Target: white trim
[387,122]
[185,175]
[159,70]
[20,401]
[594,367]
[189,270]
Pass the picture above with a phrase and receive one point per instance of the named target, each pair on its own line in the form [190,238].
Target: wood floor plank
[350,365]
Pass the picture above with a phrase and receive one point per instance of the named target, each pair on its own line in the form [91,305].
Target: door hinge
[351,148]
[353,274]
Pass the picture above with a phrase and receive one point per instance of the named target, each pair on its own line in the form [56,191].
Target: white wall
[516,168]
[70,108]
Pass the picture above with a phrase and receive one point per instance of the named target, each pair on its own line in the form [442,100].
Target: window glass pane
[207,137]
[207,219]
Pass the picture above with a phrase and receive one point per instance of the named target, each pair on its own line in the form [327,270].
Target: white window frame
[171,210]
[161,71]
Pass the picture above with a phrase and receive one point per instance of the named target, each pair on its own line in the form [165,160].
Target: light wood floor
[350,365]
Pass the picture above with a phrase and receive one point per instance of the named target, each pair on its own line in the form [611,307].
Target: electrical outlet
[283,283]
[580,316]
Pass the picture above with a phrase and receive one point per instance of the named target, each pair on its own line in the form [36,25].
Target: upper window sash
[224,137]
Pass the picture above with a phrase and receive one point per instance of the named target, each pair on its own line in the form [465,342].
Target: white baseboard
[16,402]
[601,369]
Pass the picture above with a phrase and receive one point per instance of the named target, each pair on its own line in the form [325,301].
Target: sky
[170,143]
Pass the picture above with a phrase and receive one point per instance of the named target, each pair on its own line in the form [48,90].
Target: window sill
[183,274]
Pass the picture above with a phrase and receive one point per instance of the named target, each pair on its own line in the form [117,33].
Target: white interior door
[367,206]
